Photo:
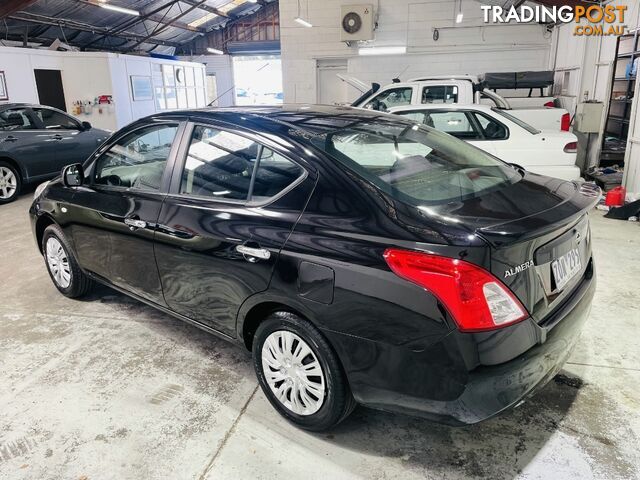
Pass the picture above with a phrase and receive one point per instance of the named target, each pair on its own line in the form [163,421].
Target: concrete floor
[107,388]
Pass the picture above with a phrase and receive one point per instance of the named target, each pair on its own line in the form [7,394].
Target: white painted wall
[470,47]
[85,76]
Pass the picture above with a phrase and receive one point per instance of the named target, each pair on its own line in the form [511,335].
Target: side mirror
[73,175]
[86,126]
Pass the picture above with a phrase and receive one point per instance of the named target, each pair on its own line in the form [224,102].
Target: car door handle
[11,138]
[57,136]
[253,253]
[135,223]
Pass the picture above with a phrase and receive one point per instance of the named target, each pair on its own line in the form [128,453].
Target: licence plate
[566,267]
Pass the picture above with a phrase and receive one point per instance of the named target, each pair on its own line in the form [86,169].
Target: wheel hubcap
[58,263]
[8,183]
[293,372]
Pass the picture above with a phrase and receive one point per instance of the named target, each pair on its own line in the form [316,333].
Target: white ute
[458,89]
[498,132]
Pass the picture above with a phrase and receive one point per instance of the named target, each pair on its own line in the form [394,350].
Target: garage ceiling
[161,26]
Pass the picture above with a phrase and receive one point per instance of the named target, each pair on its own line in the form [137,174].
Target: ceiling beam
[152,15]
[169,23]
[205,7]
[63,23]
[7,7]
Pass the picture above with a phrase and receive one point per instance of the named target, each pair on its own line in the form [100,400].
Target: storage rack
[620,99]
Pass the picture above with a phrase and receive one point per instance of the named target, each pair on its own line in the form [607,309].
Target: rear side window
[15,119]
[394,97]
[440,94]
[221,164]
[453,122]
[138,159]
[274,174]
[491,129]
[55,120]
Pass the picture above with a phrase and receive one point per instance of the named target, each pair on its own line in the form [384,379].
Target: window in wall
[177,86]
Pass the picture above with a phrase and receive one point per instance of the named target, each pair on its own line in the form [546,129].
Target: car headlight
[39,189]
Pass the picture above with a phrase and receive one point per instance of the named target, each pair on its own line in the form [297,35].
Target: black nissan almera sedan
[360,257]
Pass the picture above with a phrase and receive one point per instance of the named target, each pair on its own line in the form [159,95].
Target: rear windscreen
[416,164]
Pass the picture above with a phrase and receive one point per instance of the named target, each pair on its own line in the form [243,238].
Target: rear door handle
[11,138]
[135,223]
[253,254]
[57,136]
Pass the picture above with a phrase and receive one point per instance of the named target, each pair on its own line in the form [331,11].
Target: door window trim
[90,171]
[181,160]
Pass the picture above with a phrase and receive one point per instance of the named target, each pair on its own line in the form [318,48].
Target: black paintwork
[398,345]
[40,153]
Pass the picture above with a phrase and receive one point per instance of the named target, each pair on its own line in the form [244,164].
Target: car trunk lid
[534,226]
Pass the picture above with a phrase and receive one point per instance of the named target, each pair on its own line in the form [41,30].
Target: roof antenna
[397,78]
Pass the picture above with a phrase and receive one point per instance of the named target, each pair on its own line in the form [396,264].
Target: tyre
[62,266]
[299,373]
[10,182]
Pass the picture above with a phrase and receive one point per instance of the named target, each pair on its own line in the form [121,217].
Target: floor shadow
[497,448]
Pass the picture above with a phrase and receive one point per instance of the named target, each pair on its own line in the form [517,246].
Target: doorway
[331,89]
[49,86]
[257,79]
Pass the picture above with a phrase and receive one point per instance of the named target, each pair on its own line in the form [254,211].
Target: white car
[551,153]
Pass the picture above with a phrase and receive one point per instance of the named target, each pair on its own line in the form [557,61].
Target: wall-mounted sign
[141,88]
[4,94]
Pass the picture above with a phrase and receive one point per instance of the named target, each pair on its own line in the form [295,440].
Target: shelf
[617,119]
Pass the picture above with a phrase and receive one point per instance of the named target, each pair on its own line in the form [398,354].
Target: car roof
[440,106]
[289,119]
[471,78]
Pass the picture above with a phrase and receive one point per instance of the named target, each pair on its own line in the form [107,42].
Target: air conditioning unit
[357,23]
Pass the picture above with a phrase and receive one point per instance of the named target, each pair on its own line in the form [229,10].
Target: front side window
[416,165]
[138,159]
[440,94]
[394,97]
[221,164]
[53,120]
[15,119]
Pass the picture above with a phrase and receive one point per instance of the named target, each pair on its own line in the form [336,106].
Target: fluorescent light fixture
[204,19]
[382,50]
[116,8]
[302,22]
[215,51]
[459,17]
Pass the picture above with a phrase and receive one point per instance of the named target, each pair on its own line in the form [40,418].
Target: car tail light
[571,147]
[565,122]
[474,297]
[550,104]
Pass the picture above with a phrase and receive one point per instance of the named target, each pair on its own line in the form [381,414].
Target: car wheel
[62,266]
[299,372]
[10,183]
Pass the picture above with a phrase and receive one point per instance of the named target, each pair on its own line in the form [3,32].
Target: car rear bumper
[466,378]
